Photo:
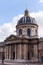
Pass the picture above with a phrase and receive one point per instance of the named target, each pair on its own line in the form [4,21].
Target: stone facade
[34,29]
[25,46]
[24,49]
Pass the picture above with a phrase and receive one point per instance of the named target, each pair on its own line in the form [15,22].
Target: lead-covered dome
[26,19]
[27,26]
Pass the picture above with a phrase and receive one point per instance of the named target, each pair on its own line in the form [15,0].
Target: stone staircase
[12,62]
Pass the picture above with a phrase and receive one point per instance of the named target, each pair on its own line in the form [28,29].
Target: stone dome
[26,19]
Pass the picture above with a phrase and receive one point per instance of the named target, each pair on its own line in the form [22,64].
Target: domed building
[25,46]
[27,26]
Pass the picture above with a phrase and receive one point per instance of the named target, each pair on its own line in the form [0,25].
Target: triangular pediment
[11,38]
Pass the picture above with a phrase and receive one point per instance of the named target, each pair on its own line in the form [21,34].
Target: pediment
[11,38]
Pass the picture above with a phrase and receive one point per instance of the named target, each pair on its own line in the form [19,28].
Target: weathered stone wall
[33,28]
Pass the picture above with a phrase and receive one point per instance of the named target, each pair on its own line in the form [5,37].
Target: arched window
[36,32]
[20,32]
[28,31]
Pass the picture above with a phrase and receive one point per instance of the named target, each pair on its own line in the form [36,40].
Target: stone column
[6,52]
[25,51]
[20,51]
[9,52]
[35,51]
[29,51]
[15,51]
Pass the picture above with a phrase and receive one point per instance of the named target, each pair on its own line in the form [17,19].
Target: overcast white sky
[11,11]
